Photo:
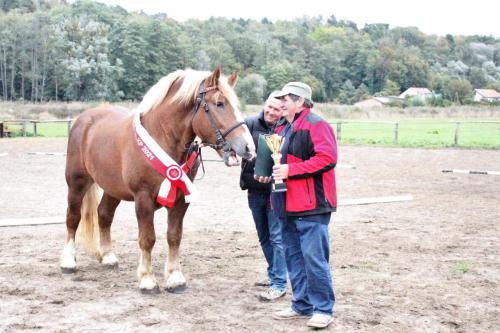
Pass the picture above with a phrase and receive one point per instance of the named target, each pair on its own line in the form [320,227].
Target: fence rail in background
[4,131]
[412,132]
[396,128]
[458,123]
[339,127]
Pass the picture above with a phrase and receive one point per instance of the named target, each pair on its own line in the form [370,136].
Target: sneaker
[320,320]
[263,283]
[271,294]
[288,313]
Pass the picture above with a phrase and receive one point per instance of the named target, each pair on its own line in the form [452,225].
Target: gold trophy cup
[275,142]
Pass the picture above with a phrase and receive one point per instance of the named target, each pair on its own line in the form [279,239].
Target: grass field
[431,133]
[418,126]
[50,130]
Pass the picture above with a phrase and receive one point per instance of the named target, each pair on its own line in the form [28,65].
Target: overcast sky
[430,16]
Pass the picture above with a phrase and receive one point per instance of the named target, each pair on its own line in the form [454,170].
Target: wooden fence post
[457,126]
[24,127]
[396,130]
[34,128]
[69,126]
[339,131]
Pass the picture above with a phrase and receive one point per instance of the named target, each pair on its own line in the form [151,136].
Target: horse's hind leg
[77,187]
[175,280]
[144,208]
[106,212]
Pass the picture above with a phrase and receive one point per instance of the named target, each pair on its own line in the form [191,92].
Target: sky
[438,17]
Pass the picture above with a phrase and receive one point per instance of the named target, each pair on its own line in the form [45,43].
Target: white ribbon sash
[175,175]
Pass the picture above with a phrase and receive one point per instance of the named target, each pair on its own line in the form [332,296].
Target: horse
[105,151]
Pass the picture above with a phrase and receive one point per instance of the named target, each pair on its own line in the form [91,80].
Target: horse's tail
[89,225]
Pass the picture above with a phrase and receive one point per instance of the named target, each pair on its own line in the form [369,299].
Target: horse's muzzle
[241,148]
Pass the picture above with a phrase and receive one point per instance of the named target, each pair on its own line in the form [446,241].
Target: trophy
[275,142]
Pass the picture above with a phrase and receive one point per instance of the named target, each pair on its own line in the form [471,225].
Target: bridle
[221,142]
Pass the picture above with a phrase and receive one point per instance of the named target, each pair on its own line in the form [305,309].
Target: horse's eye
[220,104]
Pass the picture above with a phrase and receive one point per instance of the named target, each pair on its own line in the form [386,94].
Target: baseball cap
[296,88]
[273,95]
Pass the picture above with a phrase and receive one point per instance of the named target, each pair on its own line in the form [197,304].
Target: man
[267,225]
[309,156]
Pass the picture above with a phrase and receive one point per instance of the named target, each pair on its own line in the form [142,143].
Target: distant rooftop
[415,91]
[488,93]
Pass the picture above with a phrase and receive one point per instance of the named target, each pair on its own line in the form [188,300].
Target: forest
[88,51]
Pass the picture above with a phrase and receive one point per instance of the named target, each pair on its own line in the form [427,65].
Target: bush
[416,101]
[438,101]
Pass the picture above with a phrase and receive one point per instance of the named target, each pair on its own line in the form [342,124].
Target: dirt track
[428,265]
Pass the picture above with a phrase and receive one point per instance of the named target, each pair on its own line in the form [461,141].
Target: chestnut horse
[103,151]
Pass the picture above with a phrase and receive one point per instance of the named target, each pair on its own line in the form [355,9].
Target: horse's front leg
[175,280]
[144,208]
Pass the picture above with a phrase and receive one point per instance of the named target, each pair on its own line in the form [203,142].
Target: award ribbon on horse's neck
[175,175]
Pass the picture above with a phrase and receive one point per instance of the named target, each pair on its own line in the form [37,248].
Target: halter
[221,142]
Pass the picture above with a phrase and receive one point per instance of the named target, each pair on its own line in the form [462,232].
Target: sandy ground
[429,265]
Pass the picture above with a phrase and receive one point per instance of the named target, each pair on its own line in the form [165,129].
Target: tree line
[51,50]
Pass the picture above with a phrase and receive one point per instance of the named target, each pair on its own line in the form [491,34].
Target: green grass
[461,267]
[50,130]
[417,132]
[430,133]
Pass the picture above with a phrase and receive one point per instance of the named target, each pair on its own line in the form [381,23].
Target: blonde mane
[188,91]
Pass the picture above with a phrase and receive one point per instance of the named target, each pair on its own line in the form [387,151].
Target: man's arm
[324,156]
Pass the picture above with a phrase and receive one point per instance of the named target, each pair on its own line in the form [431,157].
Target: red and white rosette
[174,172]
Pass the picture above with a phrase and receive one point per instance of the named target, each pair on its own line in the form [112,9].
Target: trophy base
[279,187]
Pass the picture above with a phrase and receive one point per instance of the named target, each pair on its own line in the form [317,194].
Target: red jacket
[311,159]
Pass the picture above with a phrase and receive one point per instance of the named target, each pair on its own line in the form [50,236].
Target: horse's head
[218,121]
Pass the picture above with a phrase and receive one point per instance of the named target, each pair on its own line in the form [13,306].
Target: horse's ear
[213,80]
[233,79]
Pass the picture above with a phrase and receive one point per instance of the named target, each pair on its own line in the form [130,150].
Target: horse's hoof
[109,260]
[154,291]
[68,270]
[177,290]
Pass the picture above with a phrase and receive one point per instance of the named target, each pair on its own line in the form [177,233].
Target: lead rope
[194,147]
[202,166]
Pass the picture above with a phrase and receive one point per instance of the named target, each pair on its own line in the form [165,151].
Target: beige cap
[296,88]
[273,95]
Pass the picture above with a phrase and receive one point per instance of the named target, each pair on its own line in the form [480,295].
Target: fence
[7,126]
[404,132]
[416,132]
[458,123]
[339,127]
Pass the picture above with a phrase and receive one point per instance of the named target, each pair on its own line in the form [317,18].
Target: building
[416,92]
[378,101]
[370,103]
[490,95]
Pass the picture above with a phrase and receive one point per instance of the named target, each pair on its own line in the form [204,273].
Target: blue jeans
[269,233]
[307,253]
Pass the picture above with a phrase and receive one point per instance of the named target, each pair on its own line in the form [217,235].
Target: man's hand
[262,179]
[280,172]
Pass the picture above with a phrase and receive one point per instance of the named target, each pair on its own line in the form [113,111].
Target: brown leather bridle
[221,142]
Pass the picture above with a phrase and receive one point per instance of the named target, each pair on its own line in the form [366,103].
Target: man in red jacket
[309,156]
